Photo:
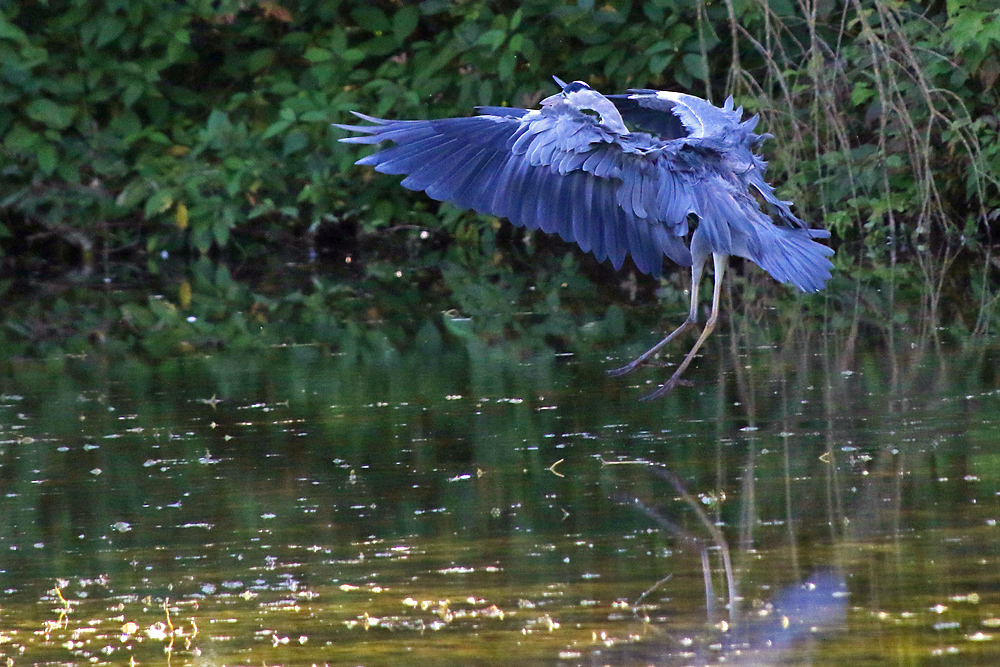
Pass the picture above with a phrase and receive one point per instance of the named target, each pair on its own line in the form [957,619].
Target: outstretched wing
[556,169]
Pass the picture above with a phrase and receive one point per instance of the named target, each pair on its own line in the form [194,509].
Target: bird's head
[578,95]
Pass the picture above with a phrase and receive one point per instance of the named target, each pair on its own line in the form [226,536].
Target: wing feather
[464,188]
[559,211]
[440,167]
[509,190]
[548,188]
[561,171]
[403,158]
[452,185]
[582,215]
[477,192]
[564,175]
[612,231]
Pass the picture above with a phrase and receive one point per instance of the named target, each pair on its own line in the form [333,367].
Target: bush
[175,124]
[142,126]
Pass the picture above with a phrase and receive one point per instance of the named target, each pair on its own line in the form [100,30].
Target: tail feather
[792,255]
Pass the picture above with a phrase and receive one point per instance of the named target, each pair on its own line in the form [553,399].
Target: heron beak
[552,99]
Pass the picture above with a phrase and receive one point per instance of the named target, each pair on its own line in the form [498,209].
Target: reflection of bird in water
[574,168]
[755,635]
[778,633]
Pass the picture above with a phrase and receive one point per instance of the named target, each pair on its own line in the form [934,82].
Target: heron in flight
[684,184]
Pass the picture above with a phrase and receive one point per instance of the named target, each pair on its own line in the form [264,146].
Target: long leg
[692,320]
[719,261]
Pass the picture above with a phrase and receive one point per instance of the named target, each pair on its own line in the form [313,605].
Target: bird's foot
[666,387]
[628,368]
[624,370]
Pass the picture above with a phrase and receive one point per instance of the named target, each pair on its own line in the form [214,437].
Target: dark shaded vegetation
[175,146]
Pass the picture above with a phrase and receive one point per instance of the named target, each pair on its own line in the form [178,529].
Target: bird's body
[614,191]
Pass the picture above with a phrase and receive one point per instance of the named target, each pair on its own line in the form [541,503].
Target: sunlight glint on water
[237,511]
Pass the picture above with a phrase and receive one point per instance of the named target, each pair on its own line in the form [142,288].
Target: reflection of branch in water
[64,611]
[635,606]
[713,530]
[63,621]
[165,631]
[687,540]
[170,627]
[757,637]
[691,541]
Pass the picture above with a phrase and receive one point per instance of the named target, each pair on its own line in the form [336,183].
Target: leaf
[989,71]
[493,38]
[515,20]
[294,142]
[218,122]
[659,62]
[132,194]
[133,91]
[10,31]
[352,55]
[20,139]
[695,65]
[181,216]
[54,115]
[319,115]
[371,18]
[111,29]
[958,77]
[276,128]
[47,158]
[861,93]
[662,45]
[405,21]
[184,294]
[220,231]
[201,238]
[315,54]
[508,61]
[125,125]
[259,59]
[32,56]
[158,203]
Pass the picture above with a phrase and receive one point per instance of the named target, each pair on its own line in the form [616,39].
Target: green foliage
[187,122]
[205,127]
[886,111]
[183,123]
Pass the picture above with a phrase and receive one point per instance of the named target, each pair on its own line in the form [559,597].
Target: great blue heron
[574,168]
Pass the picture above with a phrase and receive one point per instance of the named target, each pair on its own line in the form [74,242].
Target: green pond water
[828,500]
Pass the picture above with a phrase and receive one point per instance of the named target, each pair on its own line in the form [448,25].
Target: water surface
[822,498]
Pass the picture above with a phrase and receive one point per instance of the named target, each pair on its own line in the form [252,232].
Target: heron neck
[610,117]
